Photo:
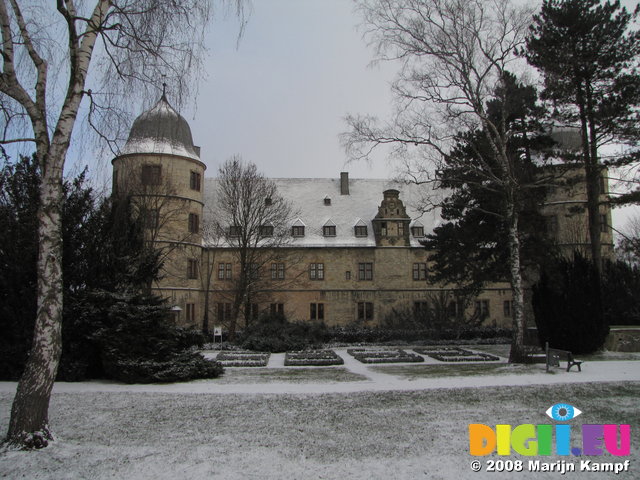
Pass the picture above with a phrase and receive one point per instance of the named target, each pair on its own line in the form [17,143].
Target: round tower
[160,172]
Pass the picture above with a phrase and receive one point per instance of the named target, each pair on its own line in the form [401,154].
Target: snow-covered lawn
[355,421]
[379,435]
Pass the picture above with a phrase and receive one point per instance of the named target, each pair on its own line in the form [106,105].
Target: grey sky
[279,98]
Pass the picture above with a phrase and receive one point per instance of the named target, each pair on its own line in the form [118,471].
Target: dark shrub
[131,339]
[567,306]
[621,294]
[274,333]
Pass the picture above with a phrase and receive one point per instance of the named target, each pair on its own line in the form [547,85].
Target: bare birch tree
[55,55]
[253,221]
[453,54]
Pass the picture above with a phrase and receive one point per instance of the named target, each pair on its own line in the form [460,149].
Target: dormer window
[327,201]
[417,231]
[235,231]
[268,202]
[360,230]
[297,231]
[266,231]
[329,231]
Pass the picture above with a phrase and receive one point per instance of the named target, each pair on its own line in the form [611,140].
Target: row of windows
[316,271]
[364,310]
[152,175]
[151,219]
[327,230]
[553,229]
[316,310]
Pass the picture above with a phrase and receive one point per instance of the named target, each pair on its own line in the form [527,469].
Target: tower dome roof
[161,130]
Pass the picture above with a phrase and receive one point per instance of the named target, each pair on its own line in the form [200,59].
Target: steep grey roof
[161,130]
[345,211]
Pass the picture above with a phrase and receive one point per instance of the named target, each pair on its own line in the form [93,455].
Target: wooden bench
[554,356]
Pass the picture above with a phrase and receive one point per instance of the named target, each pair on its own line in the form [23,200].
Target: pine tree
[586,53]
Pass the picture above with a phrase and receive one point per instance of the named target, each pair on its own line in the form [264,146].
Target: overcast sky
[278,98]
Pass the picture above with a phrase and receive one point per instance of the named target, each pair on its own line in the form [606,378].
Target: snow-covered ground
[347,422]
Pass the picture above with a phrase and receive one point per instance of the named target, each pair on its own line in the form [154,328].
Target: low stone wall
[623,339]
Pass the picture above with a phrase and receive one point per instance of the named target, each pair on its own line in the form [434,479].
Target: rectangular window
[401,229]
[482,308]
[266,231]
[316,271]
[508,308]
[347,275]
[297,231]
[417,231]
[114,185]
[365,311]
[383,229]
[276,308]
[151,174]
[552,224]
[194,223]
[224,271]
[192,268]
[419,271]
[455,309]
[235,231]
[604,228]
[329,230]
[224,312]
[254,271]
[365,271]
[191,312]
[277,271]
[194,181]
[150,218]
[316,311]
[360,230]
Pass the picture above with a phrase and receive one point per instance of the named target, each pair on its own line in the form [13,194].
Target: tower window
[192,268]
[191,312]
[194,181]
[194,223]
[151,174]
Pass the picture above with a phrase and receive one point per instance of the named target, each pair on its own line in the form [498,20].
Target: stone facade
[354,257]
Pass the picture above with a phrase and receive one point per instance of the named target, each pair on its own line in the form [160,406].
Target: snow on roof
[307,195]
[163,130]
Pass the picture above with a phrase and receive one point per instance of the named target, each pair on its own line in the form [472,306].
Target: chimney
[344,183]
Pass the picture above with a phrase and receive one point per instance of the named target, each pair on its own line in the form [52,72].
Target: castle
[354,252]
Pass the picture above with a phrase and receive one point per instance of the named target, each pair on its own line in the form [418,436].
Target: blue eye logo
[562,412]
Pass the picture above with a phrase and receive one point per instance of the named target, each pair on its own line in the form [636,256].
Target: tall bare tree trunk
[29,424]
[517,343]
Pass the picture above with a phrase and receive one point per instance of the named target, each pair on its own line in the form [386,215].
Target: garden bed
[455,354]
[310,358]
[243,359]
[370,355]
